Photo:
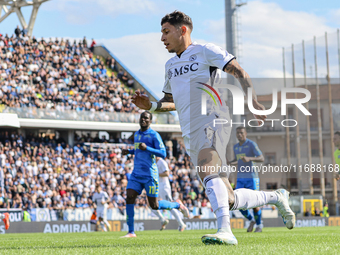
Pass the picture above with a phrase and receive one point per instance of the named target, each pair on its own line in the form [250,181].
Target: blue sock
[247,214]
[166,205]
[130,214]
[258,217]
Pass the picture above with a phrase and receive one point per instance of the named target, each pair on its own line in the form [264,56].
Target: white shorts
[102,213]
[208,136]
[165,194]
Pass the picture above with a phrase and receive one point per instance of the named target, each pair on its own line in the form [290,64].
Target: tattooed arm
[166,104]
[234,68]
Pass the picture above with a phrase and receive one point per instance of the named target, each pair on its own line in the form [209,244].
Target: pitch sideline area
[320,240]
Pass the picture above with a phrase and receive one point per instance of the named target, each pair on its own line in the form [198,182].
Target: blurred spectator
[17,31]
[24,31]
[63,77]
[317,211]
[93,43]
[45,172]
[85,42]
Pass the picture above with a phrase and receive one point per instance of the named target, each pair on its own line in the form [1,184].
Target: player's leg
[105,219]
[131,196]
[101,223]
[243,183]
[257,211]
[248,199]
[217,194]
[242,199]
[5,218]
[151,188]
[258,219]
[166,195]
[133,189]
[159,214]
[181,224]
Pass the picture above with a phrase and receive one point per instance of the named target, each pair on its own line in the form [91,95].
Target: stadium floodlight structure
[14,6]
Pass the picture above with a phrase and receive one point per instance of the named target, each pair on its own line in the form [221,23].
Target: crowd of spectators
[60,75]
[44,172]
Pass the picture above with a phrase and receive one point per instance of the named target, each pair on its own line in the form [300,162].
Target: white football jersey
[190,75]
[163,167]
[98,198]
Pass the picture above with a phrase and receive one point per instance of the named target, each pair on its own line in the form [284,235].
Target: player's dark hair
[241,127]
[150,114]
[178,19]
[337,133]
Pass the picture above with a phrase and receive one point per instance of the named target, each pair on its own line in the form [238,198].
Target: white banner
[78,214]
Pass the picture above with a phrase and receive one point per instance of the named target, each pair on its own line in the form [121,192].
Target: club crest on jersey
[192,57]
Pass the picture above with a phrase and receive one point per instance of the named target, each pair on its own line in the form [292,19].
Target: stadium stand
[57,74]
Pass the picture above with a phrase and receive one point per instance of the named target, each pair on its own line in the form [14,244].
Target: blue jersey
[145,161]
[247,149]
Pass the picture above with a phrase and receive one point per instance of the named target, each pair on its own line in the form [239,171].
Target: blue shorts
[150,184]
[248,183]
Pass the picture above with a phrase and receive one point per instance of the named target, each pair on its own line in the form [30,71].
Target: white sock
[107,224]
[2,216]
[247,198]
[158,214]
[175,213]
[103,226]
[218,196]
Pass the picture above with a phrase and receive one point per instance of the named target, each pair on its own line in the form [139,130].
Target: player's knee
[130,199]
[231,198]
[154,205]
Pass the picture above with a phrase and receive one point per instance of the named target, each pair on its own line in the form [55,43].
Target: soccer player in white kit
[188,75]
[101,198]
[165,194]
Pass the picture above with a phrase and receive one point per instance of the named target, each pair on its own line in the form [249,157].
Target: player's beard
[171,51]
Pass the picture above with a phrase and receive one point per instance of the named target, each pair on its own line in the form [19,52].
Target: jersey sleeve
[216,56]
[162,166]
[106,196]
[256,149]
[167,87]
[159,148]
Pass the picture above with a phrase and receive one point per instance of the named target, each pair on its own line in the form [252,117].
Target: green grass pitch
[321,240]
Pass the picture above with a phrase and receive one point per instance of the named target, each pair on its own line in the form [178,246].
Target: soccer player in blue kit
[247,152]
[148,145]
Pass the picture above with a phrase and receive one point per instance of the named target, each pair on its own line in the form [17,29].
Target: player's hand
[103,202]
[259,118]
[141,100]
[245,159]
[142,146]
[125,152]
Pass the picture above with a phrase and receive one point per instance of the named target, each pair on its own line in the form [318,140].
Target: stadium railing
[35,113]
